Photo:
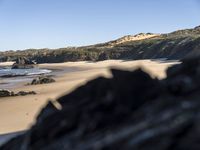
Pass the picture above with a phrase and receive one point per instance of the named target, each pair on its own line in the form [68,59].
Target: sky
[61,23]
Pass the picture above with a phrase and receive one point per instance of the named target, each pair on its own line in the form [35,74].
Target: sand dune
[18,113]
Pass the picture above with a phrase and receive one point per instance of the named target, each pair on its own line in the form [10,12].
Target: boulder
[6,93]
[131,110]
[23,93]
[23,63]
[197,28]
[42,80]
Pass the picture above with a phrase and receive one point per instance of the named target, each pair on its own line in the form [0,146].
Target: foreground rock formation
[128,111]
[23,63]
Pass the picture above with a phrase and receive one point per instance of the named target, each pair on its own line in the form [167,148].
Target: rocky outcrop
[197,28]
[8,93]
[23,63]
[128,111]
[42,80]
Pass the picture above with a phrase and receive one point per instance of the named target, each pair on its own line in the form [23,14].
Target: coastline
[18,113]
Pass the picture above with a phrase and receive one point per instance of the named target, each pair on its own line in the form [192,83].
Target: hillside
[175,45]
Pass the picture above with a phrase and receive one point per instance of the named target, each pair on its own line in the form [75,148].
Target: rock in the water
[42,80]
[128,111]
[23,63]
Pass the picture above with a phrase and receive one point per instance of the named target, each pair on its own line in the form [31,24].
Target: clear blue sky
[61,23]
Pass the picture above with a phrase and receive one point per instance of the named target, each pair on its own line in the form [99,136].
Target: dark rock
[42,80]
[23,93]
[23,63]
[6,93]
[128,111]
[184,79]
[197,28]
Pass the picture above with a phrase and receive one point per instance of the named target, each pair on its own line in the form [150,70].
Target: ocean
[8,72]
[9,78]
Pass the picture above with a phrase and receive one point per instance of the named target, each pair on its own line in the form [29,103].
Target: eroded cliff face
[131,110]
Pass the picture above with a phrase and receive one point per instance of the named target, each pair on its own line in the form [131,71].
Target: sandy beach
[18,113]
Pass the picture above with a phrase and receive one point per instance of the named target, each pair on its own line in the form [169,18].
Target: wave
[22,72]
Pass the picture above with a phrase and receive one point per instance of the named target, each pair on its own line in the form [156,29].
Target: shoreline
[10,82]
[19,113]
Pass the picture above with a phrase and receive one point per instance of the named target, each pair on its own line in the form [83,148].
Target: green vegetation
[175,45]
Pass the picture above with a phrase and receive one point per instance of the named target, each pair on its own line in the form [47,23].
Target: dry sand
[6,64]
[18,113]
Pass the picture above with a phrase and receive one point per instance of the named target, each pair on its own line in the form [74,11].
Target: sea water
[9,78]
[22,72]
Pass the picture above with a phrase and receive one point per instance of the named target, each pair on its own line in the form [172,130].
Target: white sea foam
[23,72]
